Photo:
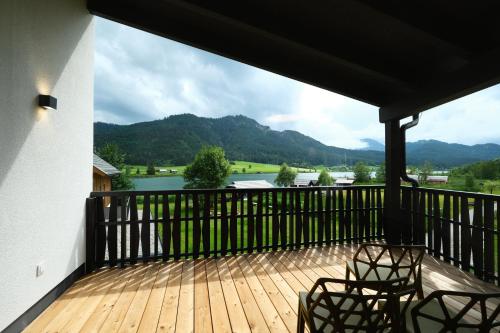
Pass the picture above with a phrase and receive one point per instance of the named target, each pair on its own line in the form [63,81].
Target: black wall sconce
[47,102]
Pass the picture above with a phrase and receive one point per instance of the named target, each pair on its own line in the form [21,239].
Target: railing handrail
[229,190]
[453,192]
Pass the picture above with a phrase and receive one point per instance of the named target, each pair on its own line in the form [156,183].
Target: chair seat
[432,308]
[352,319]
[377,273]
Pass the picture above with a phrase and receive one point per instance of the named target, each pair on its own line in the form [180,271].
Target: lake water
[177,182]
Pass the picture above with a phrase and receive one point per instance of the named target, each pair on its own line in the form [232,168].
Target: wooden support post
[90,239]
[392,202]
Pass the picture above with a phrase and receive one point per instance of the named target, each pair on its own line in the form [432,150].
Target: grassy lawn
[236,167]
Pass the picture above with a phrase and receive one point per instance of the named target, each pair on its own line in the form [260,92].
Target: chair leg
[300,321]
[347,275]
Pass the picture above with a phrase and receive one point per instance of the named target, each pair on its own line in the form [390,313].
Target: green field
[236,167]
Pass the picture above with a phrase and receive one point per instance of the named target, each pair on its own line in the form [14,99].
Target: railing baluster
[380,214]
[437,226]
[155,241]
[233,228]
[366,213]
[421,219]
[216,227]
[101,233]
[134,229]
[123,230]
[341,217]
[259,222]
[283,220]
[113,231]
[196,226]
[206,224]
[465,234]
[456,230]
[328,217]
[145,235]
[489,255]
[445,231]
[250,223]
[357,221]
[477,238]
[334,216]
[267,212]
[275,221]
[430,229]
[298,220]
[186,225]
[176,228]
[166,229]
[348,214]
[305,222]
[224,224]
[313,217]
[321,220]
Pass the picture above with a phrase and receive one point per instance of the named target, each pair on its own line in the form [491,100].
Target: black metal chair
[434,314]
[364,306]
[378,262]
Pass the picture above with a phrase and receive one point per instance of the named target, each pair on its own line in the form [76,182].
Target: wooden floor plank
[279,302]
[86,309]
[102,310]
[253,313]
[136,309]
[168,313]
[288,293]
[74,292]
[185,313]
[218,309]
[235,311]
[120,309]
[203,318]
[149,321]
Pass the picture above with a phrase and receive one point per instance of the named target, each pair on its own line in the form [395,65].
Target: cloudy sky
[142,77]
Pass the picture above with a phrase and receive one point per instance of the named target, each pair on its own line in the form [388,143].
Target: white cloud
[142,77]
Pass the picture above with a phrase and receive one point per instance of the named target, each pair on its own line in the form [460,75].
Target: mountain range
[176,139]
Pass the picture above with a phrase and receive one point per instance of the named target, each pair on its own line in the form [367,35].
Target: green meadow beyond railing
[124,227]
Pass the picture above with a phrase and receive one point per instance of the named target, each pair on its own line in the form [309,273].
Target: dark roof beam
[484,72]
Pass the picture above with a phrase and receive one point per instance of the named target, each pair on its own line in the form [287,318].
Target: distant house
[102,173]
[437,179]
[304,182]
[344,182]
[432,179]
[250,184]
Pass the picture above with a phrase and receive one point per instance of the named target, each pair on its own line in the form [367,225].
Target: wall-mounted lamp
[47,102]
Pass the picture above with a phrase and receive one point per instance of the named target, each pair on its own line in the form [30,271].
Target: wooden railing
[458,227]
[153,225]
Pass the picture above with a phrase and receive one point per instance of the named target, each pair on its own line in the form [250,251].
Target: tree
[243,170]
[470,183]
[324,178]
[286,176]
[138,171]
[209,169]
[425,172]
[380,173]
[361,172]
[112,154]
[151,169]
[490,186]
[249,166]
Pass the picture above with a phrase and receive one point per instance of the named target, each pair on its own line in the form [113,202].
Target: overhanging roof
[401,56]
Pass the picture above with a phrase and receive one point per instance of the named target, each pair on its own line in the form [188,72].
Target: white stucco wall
[46,47]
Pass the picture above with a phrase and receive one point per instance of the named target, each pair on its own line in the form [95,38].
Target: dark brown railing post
[90,219]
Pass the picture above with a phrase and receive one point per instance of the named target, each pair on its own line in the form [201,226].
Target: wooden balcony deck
[242,293]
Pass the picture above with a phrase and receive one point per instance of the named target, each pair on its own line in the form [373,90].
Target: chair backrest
[364,306]
[384,261]
[478,312]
